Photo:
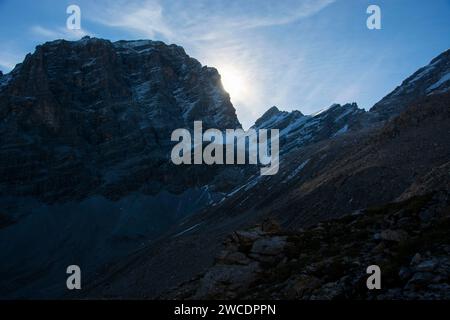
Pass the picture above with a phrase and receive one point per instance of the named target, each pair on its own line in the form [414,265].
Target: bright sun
[233,82]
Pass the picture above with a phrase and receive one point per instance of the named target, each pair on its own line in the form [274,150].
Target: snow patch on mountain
[445,78]
[294,125]
[297,170]
[186,230]
[323,110]
[342,115]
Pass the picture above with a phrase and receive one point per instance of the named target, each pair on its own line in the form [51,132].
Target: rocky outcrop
[241,262]
[329,260]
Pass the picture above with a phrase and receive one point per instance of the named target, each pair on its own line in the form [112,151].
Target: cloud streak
[57,33]
[201,20]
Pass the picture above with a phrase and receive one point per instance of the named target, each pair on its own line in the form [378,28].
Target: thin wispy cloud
[201,19]
[44,33]
[10,55]
[145,19]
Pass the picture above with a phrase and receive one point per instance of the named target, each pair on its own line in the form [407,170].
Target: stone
[269,246]
[270,227]
[234,258]
[427,265]
[419,280]
[245,239]
[416,259]
[299,287]
[405,273]
[393,235]
[230,278]
[329,291]
[379,248]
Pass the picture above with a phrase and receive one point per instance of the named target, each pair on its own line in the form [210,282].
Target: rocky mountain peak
[106,111]
[97,72]
[298,130]
[274,118]
[431,79]
[268,114]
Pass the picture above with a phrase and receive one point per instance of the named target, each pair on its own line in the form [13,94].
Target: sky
[295,54]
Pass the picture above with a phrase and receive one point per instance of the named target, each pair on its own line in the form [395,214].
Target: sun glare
[233,82]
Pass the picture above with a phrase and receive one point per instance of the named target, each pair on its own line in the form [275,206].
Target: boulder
[234,257]
[303,285]
[231,279]
[393,235]
[270,246]
[416,259]
[427,265]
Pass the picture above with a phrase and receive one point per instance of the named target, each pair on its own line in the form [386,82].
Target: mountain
[404,157]
[85,168]
[298,130]
[429,80]
[94,117]
[86,178]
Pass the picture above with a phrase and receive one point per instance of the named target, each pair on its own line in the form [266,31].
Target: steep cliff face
[95,117]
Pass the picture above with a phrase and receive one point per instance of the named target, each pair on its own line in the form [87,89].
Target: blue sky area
[303,54]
